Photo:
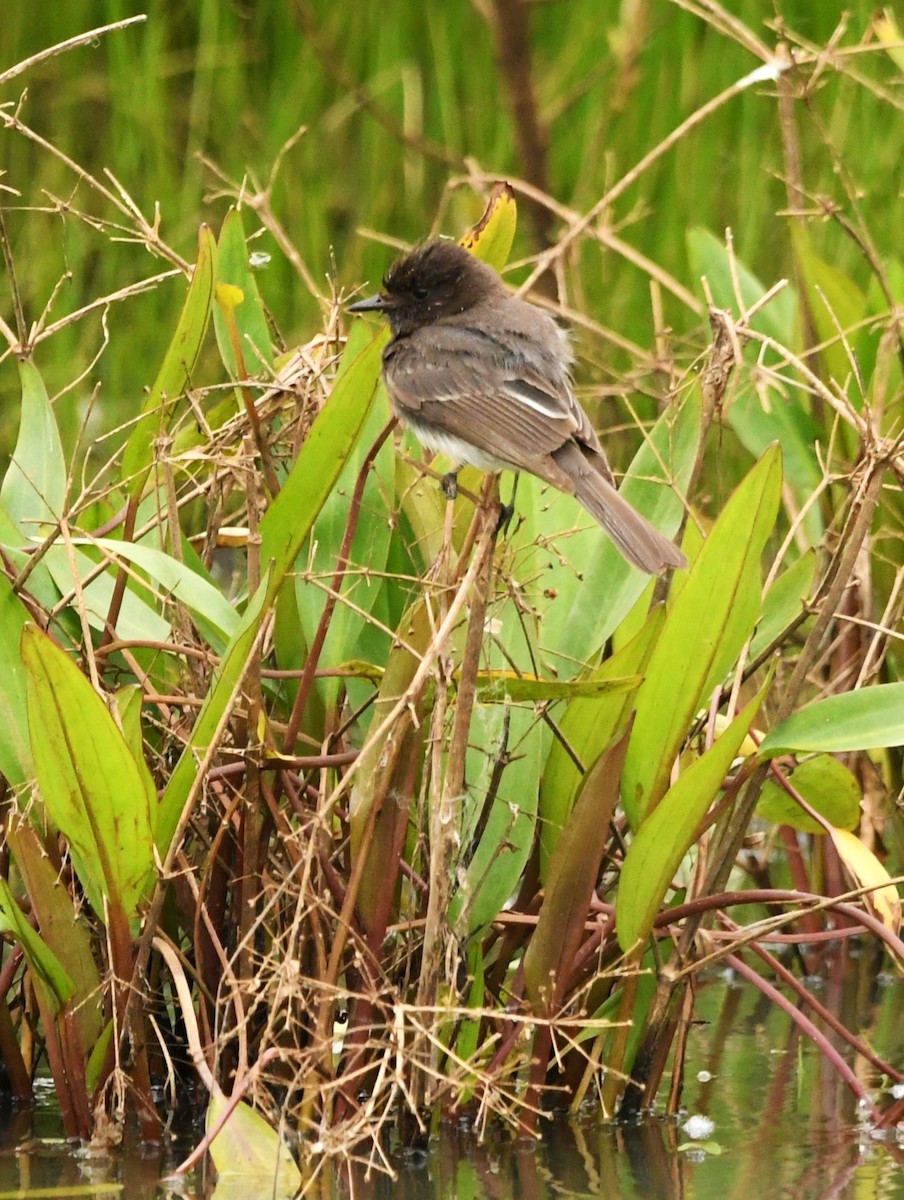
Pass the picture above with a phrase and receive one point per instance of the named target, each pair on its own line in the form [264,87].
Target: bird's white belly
[461,453]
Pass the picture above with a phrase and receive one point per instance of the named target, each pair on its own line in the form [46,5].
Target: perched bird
[483,376]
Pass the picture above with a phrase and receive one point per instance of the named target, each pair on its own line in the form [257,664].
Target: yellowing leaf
[247,1147]
[228,295]
[491,238]
[888,33]
[866,869]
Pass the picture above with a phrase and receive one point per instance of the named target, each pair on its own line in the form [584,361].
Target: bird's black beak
[371,304]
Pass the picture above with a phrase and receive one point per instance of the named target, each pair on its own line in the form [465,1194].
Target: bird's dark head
[435,280]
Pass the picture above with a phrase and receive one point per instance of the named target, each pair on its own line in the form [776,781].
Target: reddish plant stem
[122,576]
[806,1025]
[824,1014]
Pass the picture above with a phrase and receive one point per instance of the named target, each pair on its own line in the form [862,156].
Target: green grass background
[236,80]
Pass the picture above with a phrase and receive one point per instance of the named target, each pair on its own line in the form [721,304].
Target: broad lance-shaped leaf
[250,1149]
[762,411]
[667,833]
[65,931]
[503,686]
[350,625]
[15,751]
[591,587]
[726,276]
[290,518]
[587,727]
[573,869]
[233,269]
[869,719]
[175,579]
[491,238]
[175,374]
[836,305]
[34,487]
[504,847]
[784,602]
[708,622]
[227,681]
[137,619]
[47,974]
[507,746]
[100,798]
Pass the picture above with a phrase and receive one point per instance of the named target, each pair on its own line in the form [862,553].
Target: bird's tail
[639,542]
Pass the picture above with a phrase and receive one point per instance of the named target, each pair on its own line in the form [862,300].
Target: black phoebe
[484,377]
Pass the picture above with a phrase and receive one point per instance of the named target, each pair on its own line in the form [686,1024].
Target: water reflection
[782,1126]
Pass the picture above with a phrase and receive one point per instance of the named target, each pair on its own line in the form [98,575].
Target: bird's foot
[506,512]
[449,484]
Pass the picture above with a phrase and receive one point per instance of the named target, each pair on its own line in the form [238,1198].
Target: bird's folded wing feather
[482,391]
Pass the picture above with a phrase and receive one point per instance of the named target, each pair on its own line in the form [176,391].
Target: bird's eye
[419,293]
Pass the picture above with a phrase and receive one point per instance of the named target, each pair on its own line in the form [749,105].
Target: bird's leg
[449,483]
[507,511]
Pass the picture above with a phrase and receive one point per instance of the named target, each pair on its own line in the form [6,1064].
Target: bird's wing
[480,389]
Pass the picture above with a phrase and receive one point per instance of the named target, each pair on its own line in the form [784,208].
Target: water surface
[782,1125]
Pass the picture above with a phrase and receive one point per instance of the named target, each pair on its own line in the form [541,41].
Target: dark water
[783,1125]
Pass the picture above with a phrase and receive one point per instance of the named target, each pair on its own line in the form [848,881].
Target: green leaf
[588,726]
[137,620]
[666,835]
[835,302]
[869,719]
[34,487]
[784,602]
[708,622]
[467,1040]
[128,715]
[507,745]
[176,579]
[827,786]
[495,687]
[65,931]
[415,631]
[708,257]
[587,587]
[762,413]
[98,1053]
[233,269]
[785,421]
[40,584]
[15,751]
[177,371]
[349,626]
[46,972]
[98,796]
[289,519]
[223,690]
[499,859]
[284,529]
